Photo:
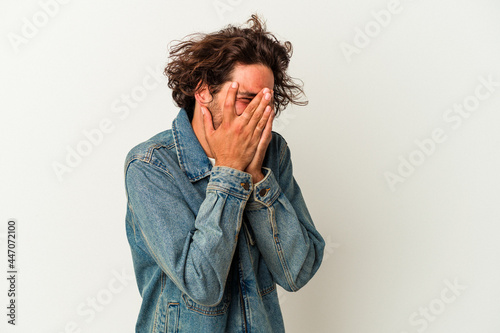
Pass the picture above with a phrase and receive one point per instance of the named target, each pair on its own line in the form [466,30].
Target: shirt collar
[192,158]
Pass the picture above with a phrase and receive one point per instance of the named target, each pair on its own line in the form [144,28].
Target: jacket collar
[192,158]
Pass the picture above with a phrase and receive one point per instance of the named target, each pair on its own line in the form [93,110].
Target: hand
[255,166]
[237,138]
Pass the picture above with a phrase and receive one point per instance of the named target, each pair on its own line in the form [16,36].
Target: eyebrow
[245,94]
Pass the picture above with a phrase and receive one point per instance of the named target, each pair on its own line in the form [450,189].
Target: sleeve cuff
[266,191]
[235,182]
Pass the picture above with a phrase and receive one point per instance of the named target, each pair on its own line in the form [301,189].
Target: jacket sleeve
[284,231]
[194,250]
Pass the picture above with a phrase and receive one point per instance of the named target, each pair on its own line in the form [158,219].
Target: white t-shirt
[212,160]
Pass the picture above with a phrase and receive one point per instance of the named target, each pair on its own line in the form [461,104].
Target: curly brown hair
[211,58]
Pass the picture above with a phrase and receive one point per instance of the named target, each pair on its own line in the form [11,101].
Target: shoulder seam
[283,152]
[148,161]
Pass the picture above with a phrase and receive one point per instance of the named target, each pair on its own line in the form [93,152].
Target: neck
[199,130]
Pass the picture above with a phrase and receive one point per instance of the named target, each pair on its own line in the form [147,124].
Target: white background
[392,251]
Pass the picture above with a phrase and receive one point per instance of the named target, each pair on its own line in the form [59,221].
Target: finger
[260,152]
[263,109]
[263,121]
[258,112]
[229,111]
[253,106]
[265,139]
[267,133]
[208,125]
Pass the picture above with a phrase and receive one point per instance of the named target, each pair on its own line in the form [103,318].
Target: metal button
[246,186]
[263,192]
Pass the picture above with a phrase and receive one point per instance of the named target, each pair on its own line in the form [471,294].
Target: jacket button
[246,186]
[263,192]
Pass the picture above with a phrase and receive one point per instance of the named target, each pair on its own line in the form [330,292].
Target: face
[252,79]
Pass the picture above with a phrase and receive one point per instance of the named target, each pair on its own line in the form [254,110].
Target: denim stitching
[267,290]
[192,305]
[155,325]
[213,187]
[282,154]
[176,323]
[280,252]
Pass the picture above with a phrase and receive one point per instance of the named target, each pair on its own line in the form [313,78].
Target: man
[215,218]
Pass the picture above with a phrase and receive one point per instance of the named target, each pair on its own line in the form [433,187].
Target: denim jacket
[208,245]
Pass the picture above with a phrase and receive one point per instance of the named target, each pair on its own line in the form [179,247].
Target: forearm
[193,246]
[285,233]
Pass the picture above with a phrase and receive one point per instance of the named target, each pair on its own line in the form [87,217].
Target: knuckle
[238,128]
[246,116]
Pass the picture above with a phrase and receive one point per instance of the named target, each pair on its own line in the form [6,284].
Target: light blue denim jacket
[208,245]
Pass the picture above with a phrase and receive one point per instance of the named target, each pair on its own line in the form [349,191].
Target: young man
[215,218]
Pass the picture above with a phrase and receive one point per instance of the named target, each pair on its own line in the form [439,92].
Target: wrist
[257,176]
[233,165]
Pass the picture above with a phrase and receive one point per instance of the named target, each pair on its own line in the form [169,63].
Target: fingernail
[268,96]
[266,90]
[234,84]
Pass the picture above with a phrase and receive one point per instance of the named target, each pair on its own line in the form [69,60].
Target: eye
[244,101]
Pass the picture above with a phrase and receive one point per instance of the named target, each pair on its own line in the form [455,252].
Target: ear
[202,94]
